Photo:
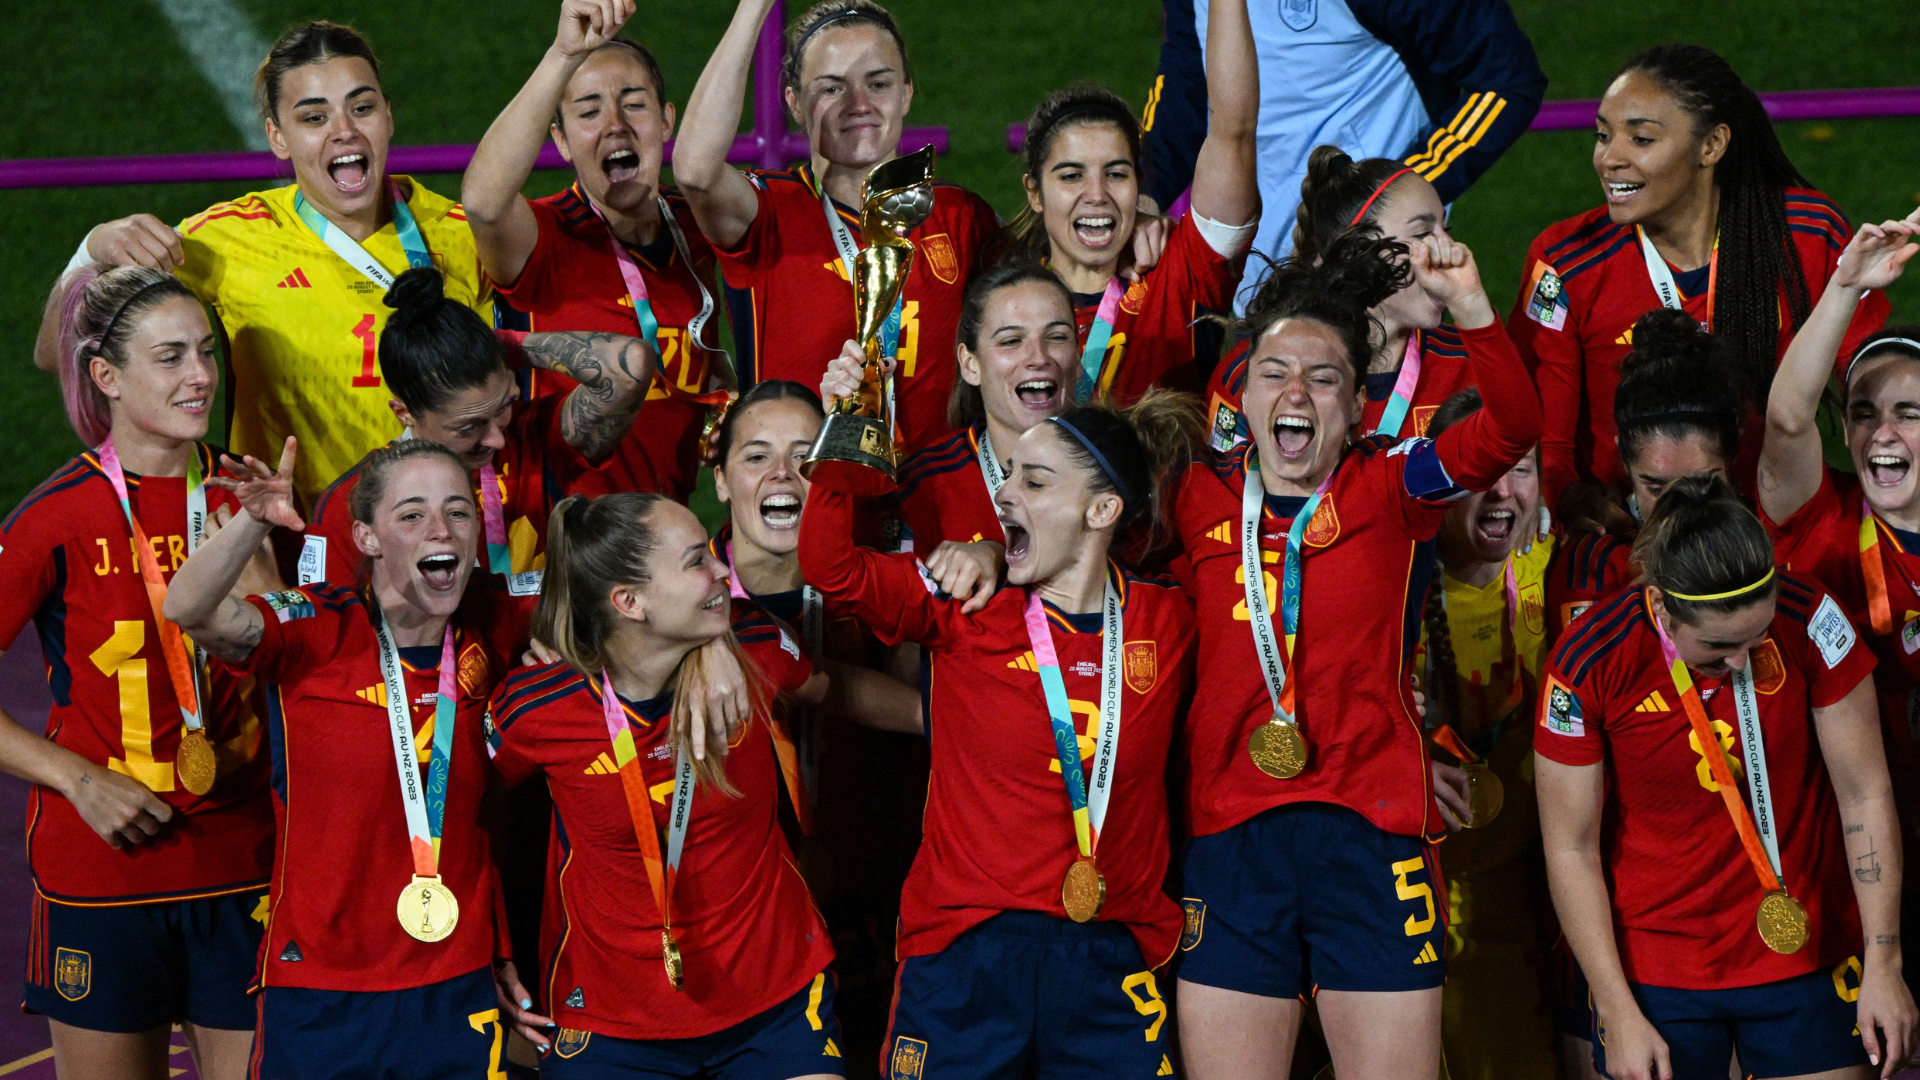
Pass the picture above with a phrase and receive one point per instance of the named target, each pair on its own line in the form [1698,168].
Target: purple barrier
[1782,105]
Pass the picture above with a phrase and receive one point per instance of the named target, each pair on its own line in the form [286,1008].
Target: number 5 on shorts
[1409,891]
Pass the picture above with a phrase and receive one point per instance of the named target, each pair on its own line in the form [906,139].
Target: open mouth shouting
[1620,192]
[440,571]
[1094,230]
[1019,542]
[1042,396]
[1494,526]
[1292,435]
[350,173]
[620,166]
[780,512]
[1887,470]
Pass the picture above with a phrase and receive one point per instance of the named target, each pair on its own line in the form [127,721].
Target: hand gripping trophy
[854,452]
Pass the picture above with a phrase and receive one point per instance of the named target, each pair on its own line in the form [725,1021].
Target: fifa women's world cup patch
[289,605]
[1547,298]
[1560,710]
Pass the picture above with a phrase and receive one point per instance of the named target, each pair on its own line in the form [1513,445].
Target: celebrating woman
[615,251]
[1311,796]
[787,240]
[383,940]
[1690,165]
[1032,925]
[1083,188]
[148,829]
[1774,935]
[296,273]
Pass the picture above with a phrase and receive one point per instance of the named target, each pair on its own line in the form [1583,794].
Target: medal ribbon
[183,659]
[350,250]
[1275,662]
[1874,570]
[493,517]
[1661,275]
[425,804]
[637,285]
[660,875]
[1089,805]
[814,620]
[1098,335]
[1762,852]
[849,249]
[990,470]
[1395,414]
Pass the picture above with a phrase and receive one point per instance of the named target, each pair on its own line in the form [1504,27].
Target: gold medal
[1084,891]
[670,956]
[427,909]
[1485,795]
[196,762]
[1277,749]
[1783,922]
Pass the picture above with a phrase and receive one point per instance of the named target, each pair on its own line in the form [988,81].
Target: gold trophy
[854,452]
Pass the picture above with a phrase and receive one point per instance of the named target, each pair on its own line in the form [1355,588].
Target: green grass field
[113,80]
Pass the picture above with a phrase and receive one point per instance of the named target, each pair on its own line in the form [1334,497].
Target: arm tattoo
[1886,939]
[1866,868]
[236,631]
[612,370]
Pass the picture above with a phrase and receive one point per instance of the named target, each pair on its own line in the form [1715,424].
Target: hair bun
[417,288]
[1669,333]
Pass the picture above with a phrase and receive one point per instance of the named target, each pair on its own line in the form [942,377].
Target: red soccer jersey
[1153,342]
[1365,571]
[943,494]
[1585,287]
[1443,373]
[343,856]
[67,563]
[999,831]
[572,282]
[1585,569]
[1684,892]
[792,305]
[743,919]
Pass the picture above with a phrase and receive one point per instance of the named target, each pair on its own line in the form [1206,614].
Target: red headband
[1377,192]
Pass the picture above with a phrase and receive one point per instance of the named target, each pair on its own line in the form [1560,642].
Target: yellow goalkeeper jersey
[303,325]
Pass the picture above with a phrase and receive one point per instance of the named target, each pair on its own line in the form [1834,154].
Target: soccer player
[615,251]
[149,834]
[1691,169]
[384,937]
[296,273]
[1484,639]
[1311,794]
[1418,362]
[1857,531]
[1083,191]
[1720,684]
[1033,926]
[787,240]
[448,372]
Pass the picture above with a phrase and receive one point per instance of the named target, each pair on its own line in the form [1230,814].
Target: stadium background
[114,80]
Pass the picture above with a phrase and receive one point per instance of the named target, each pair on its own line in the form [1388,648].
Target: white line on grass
[226,48]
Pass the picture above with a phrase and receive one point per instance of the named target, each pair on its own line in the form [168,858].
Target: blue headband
[799,47]
[1099,458]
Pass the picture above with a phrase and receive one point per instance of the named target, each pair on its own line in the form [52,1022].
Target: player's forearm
[613,371]
[38,760]
[507,154]
[1586,918]
[1479,450]
[1871,829]
[713,109]
[1804,370]
[200,598]
[874,700]
[1225,184]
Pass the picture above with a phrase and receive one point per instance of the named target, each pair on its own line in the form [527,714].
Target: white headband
[1875,344]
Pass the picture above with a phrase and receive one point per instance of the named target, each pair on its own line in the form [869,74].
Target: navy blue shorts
[1788,1028]
[449,1030]
[1311,896]
[136,967]
[798,1037]
[1027,993]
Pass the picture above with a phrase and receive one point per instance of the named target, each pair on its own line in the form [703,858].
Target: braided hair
[1757,256]
[1443,668]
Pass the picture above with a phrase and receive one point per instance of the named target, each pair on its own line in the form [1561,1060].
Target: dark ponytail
[764,390]
[1676,383]
[1337,194]
[305,43]
[433,348]
[1081,103]
[1701,540]
[1757,254]
[964,407]
[1360,269]
[1132,452]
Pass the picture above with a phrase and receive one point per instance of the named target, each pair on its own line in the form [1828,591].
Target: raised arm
[504,228]
[1479,450]
[866,697]
[1226,186]
[1791,459]
[1849,733]
[200,598]
[887,592]
[724,201]
[613,371]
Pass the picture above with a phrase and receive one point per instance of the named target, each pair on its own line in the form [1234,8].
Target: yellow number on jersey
[1110,363]
[1150,1005]
[1267,582]
[480,1021]
[909,337]
[1409,891]
[1702,770]
[116,659]
[1088,716]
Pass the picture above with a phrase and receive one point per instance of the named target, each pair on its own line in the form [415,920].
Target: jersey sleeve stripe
[1594,633]
[68,475]
[1585,233]
[1620,243]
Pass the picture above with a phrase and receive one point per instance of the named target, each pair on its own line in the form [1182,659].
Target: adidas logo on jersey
[1024,662]
[831,1050]
[1166,1066]
[1223,532]
[1427,955]
[296,280]
[1625,339]
[375,694]
[1653,703]
[602,766]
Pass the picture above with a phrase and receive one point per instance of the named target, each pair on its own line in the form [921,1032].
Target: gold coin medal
[427,909]
[1781,920]
[1485,793]
[1277,747]
[1084,890]
[662,874]
[196,762]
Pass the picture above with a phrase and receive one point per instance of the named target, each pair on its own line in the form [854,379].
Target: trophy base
[853,455]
